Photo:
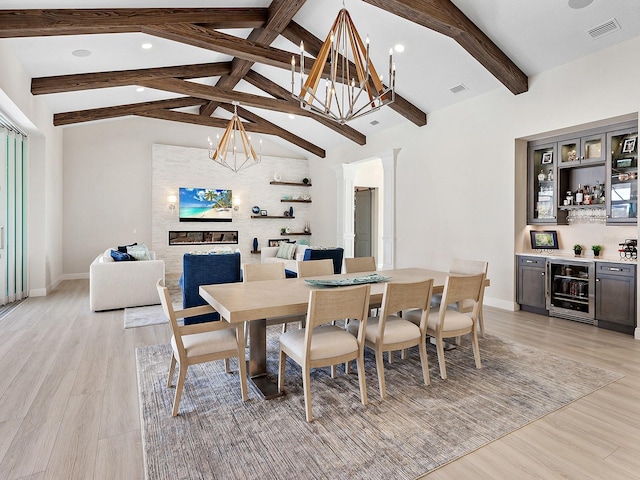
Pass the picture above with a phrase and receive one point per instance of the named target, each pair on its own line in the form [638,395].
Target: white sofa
[268,255]
[123,284]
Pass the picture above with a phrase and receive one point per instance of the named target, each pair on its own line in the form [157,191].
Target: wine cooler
[571,290]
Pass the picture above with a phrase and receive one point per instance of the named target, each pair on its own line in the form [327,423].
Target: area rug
[143,316]
[416,429]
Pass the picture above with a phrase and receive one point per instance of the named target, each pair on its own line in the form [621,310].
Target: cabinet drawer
[621,269]
[532,261]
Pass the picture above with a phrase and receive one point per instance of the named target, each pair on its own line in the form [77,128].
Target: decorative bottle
[255,244]
[579,195]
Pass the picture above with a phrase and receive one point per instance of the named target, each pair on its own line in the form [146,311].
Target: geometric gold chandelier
[227,151]
[352,87]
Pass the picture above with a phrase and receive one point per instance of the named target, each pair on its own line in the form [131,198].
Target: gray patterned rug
[415,430]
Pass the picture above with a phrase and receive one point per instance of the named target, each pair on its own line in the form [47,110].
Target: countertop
[582,258]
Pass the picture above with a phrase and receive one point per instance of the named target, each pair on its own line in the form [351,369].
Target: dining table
[255,302]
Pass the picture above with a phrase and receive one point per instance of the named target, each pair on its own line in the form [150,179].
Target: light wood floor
[69,406]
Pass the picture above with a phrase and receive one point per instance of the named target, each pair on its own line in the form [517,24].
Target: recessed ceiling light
[399,48]
[292,116]
[81,53]
[146,46]
[579,3]
[374,122]
[140,89]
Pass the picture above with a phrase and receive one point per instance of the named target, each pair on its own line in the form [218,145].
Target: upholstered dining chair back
[360,264]
[321,344]
[335,254]
[315,268]
[200,343]
[206,269]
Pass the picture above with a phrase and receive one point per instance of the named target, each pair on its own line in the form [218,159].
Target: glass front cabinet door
[541,208]
[622,172]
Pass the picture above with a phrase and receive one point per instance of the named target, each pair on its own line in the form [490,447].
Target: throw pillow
[286,250]
[139,252]
[123,248]
[121,257]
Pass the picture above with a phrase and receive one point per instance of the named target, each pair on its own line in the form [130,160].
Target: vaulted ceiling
[209,56]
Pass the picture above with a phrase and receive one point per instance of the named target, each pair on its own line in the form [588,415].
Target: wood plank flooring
[69,404]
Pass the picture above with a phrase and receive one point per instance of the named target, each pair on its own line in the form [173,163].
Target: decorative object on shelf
[277,177]
[291,211]
[286,213]
[255,244]
[256,209]
[547,157]
[577,249]
[283,230]
[351,90]
[307,228]
[629,145]
[305,180]
[263,213]
[287,230]
[233,134]
[596,250]
[572,156]
[550,175]
[541,176]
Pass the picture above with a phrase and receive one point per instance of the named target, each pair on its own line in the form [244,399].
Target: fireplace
[206,237]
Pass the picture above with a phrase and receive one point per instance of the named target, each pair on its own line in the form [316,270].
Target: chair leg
[347,368]
[403,354]
[182,374]
[476,348]
[481,322]
[242,364]
[284,327]
[306,384]
[361,380]
[334,371]
[281,369]
[172,369]
[380,368]
[227,367]
[424,361]
[440,349]
[390,355]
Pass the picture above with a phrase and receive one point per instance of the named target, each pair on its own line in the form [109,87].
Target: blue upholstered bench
[206,270]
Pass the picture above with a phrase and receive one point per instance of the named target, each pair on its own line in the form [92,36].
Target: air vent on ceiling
[374,122]
[458,88]
[604,29]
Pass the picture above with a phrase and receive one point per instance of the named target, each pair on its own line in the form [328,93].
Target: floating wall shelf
[293,184]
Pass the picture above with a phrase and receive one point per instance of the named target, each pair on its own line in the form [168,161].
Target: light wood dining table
[254,302]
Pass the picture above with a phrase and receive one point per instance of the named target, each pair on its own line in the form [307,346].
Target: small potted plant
[596,250]
[577,249]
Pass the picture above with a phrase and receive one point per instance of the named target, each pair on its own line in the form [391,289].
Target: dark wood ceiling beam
[277,131]
[272,88]
[444,17]
[312,44]
[184,87]
[280,14]
[89,81]
[80,116]
[39,22]
[220,42]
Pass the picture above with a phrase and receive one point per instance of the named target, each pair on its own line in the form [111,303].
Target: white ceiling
[536,35]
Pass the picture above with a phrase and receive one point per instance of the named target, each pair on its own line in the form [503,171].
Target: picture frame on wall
[629,145]
[275,242]
[547,158]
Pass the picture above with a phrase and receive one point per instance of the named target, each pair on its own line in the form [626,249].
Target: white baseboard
[501,304]
[38,292]
[74,276]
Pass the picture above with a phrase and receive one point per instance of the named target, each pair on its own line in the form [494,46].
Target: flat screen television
[205,205]
[544,240]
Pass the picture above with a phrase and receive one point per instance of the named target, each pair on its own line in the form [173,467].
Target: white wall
[44,191]
[457,190]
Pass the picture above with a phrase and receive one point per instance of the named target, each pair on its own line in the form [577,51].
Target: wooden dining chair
[255,272]
[321,344]
[450,322]
[315,268]
[360,264]
[389,332]
[200,343]
[466,267]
